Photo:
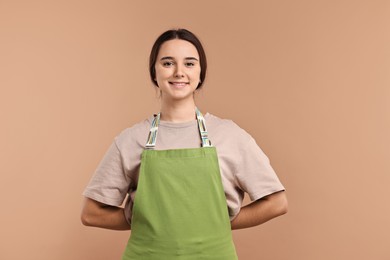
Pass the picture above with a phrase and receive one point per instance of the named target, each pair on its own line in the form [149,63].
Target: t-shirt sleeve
[109,184]
[254,172]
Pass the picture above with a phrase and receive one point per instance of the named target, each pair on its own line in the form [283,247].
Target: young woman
[186,181]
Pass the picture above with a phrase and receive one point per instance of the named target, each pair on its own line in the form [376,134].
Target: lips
[179,84]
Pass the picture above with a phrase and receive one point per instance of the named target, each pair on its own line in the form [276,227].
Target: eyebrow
[171,58]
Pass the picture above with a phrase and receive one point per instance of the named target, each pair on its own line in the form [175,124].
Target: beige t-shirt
[243,165]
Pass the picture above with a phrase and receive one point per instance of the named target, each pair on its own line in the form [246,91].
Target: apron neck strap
[151,142]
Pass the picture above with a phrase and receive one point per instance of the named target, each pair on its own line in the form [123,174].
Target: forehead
[178,49]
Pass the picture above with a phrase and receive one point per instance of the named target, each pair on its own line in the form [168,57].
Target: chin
[180,97]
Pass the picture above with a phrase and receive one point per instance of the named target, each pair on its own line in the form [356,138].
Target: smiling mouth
[179,84]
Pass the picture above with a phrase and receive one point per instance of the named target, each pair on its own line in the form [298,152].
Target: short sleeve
[254,172]
[109,184]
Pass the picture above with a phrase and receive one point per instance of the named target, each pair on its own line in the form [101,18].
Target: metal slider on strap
[152,137]
[202,129]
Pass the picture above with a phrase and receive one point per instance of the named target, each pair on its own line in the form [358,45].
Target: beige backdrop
[310,80]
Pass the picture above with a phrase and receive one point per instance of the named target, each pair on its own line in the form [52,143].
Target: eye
[167,63]
[190,64]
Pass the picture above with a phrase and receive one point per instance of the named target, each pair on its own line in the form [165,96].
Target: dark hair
[181,34]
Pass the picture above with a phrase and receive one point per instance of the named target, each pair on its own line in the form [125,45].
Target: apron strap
[152,137]
[202,129]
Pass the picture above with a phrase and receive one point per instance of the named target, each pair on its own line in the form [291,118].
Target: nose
[179,72]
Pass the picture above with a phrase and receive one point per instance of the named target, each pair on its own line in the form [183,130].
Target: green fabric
[180,209]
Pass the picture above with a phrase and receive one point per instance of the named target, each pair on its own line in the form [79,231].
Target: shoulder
[226,127]
[134,134]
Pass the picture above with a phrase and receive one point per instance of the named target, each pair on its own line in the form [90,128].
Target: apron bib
[180,209]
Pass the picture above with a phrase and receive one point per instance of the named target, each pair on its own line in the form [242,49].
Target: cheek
[162,73]
[195,73]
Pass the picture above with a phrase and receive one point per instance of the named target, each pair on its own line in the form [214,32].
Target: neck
[178,112]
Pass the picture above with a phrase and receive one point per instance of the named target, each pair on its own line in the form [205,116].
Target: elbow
[279,204]
[88,218]
[89,212]
[85,219]
[283,204]
[283,209]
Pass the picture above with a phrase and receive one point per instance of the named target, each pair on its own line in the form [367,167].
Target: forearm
[96,214]
[261,211]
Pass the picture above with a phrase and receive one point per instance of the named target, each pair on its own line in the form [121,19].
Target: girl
[186,181]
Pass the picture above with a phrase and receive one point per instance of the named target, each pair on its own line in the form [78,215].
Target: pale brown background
[310,80]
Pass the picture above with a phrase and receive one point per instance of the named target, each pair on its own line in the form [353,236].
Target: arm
[261,211]
[97,214]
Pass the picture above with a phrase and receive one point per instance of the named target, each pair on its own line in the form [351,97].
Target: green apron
[180,209]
